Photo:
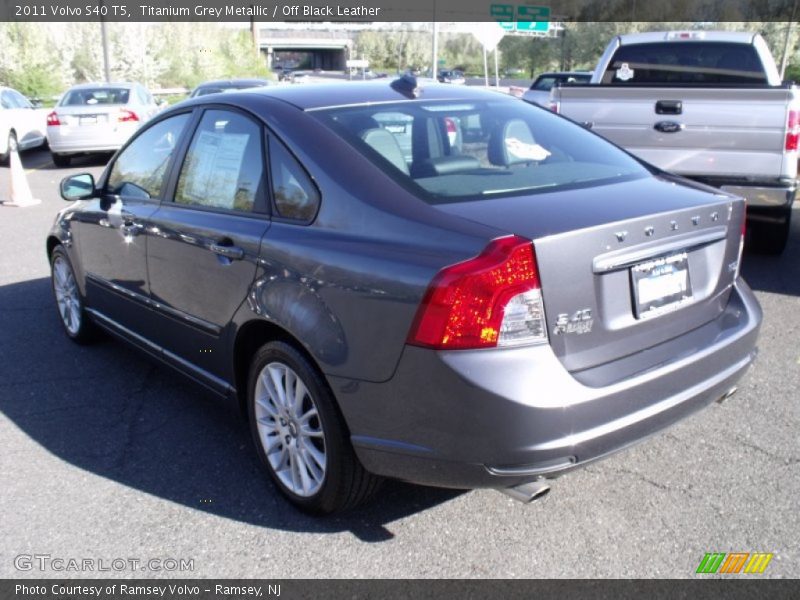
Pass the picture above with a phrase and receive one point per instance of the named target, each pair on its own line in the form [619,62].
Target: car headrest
[512,143]
[386,145]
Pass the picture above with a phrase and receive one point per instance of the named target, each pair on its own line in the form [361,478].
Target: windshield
[454,151]
[95,96]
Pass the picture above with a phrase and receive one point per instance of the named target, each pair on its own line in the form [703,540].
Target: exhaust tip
[528,492]
[727,395]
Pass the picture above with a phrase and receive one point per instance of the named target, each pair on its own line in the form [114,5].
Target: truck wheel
[300,435]
[771,237]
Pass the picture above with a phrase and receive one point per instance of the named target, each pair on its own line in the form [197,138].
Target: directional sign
[533,18]
[521,17]
[503,14]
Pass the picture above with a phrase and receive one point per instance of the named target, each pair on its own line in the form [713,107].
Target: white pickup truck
[709,106]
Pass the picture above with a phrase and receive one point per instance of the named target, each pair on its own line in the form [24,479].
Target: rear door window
[685,63]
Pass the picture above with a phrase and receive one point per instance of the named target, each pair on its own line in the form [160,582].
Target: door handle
[228,251]
[131,229]
[669,107]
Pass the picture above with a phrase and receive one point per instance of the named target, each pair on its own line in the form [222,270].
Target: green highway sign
[521,17]
[503,14]
[533,18]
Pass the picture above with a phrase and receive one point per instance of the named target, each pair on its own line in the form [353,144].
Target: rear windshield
[455,151]
[686,63]
[95,96]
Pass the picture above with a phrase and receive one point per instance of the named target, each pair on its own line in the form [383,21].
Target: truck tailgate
[714,132]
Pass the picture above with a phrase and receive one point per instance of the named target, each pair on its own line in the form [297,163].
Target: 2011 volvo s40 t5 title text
[437,284]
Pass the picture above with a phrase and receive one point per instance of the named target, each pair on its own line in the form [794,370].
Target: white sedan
[22,126]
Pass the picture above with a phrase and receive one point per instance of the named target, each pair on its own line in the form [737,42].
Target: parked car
[451,76]
[227,85]
[97,117]
[486,310]
[709,105]
[539,92]
[299,77]
[22,125]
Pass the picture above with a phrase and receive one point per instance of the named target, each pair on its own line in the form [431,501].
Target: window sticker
[525,151]
[217,160]
[625,73]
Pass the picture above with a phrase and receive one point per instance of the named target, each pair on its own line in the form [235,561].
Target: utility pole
[435,68]
[104,36]
[786,40]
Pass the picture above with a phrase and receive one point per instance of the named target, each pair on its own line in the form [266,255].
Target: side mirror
[77,187]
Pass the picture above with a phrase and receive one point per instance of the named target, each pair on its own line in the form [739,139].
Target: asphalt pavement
[105,455]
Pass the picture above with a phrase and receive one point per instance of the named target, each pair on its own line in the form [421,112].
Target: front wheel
[12,146]
[300,436]
[68,298]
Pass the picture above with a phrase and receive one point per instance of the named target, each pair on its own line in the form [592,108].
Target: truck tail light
[126,115]
[52,119]
[792,131]
[492,300]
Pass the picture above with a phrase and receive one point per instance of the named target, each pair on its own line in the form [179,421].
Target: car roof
[100,84]
[651,37]
[354,93]
[222,82]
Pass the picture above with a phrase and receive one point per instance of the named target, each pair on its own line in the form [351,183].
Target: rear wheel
[68,298]
[61,160]
[300,436]
[770,237]
[12,146]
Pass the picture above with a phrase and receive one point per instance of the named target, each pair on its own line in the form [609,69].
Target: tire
[770,237]
[12,145]
[305,447]
[69,302]
[61,160]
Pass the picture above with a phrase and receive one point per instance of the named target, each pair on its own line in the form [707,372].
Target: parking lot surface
[105,455]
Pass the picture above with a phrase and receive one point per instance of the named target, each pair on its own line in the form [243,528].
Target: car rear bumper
[72,140]
[764,197]
[499,418]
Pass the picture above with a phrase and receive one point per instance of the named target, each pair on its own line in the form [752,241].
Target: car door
[203,262]
[112,232]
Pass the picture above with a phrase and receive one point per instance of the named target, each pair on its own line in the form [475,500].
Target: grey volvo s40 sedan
[432,283]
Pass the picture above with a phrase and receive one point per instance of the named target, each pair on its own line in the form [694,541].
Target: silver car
[97,117]
[539,92]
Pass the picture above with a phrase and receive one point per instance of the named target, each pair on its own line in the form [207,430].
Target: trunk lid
[612,260]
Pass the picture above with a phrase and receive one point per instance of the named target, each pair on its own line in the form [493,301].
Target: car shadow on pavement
[776,274]
[112,411]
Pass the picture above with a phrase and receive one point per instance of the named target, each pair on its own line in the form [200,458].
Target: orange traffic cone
[18,192]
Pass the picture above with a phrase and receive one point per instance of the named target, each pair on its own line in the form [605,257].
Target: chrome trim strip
[620,259]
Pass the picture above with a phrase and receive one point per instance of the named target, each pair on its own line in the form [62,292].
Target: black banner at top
[398,10]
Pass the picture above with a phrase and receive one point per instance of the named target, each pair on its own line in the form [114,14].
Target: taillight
[554,106]
[52,119]
[126,116]
[488,301]
[792,131]
[450,125]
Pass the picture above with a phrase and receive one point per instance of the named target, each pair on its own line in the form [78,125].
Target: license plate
[661,285]
[92,120]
